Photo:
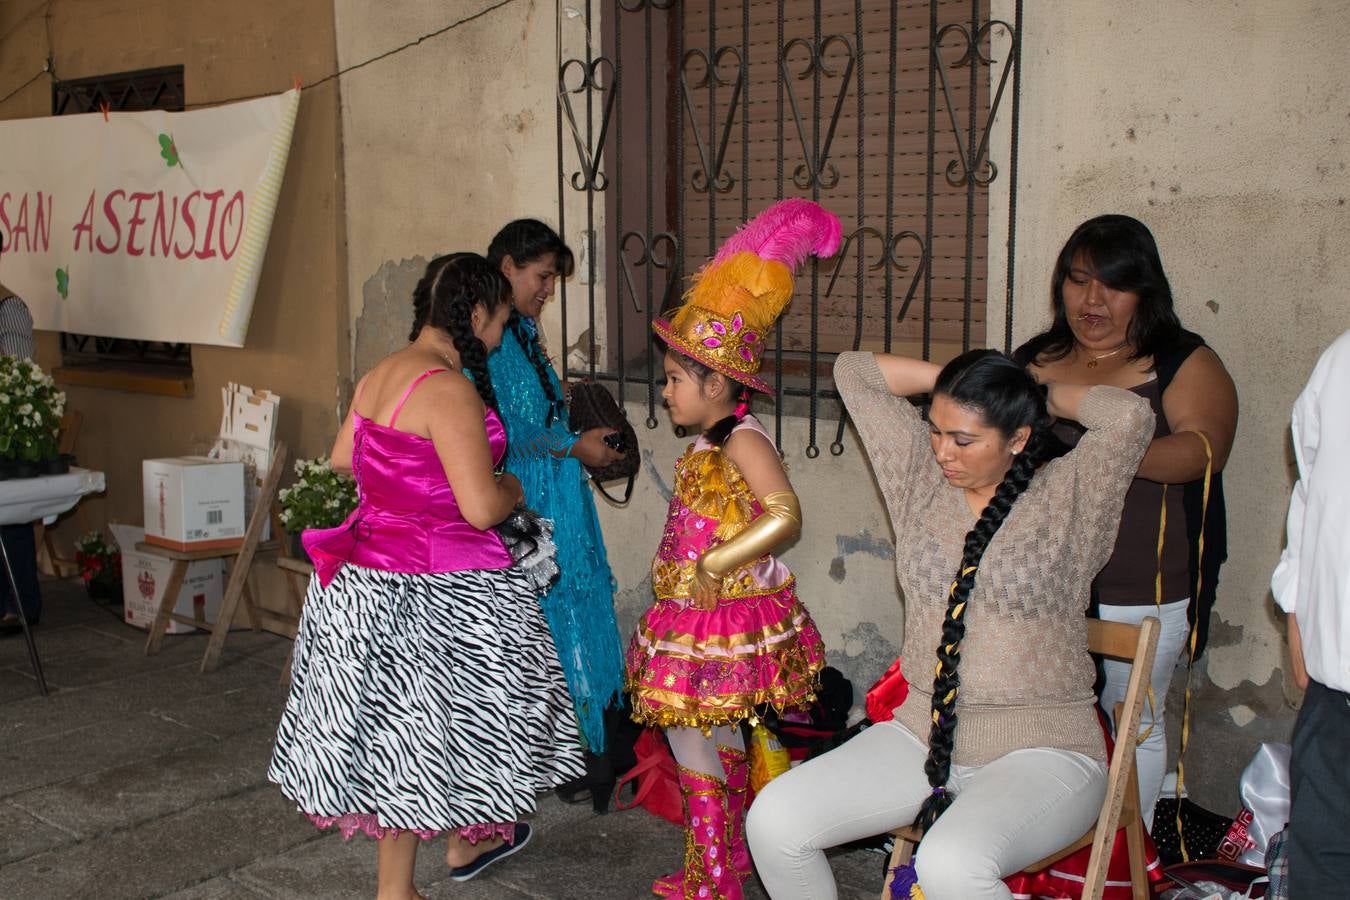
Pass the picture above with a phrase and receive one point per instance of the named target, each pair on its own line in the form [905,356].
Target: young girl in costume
[727,633]
[548,457]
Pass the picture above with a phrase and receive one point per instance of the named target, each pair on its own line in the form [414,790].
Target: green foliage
[320,497]
[31,407]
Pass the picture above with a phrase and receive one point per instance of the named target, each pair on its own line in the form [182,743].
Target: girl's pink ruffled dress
[690,667]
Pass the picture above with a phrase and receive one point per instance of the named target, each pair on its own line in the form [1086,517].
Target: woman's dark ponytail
[445,298]
[472,354]
[1008,399]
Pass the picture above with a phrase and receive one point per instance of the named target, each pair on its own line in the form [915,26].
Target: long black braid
[1008,398]
[445,298]
[525,241]
[534,352]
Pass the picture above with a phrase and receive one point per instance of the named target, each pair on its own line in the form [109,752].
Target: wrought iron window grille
[679,119]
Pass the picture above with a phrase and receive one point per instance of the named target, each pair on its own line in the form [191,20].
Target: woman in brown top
[995,551]
[1114,324]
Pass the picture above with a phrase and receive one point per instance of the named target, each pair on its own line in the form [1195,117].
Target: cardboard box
[145,577]
[253,419]
[193,503]
[257,462]
[248,434]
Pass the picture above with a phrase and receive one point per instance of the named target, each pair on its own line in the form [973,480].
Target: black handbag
[591,405]
[1203,830]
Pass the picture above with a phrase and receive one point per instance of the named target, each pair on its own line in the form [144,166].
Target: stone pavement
[138,777]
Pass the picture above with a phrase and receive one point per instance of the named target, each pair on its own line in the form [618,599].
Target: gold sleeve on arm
[782,519]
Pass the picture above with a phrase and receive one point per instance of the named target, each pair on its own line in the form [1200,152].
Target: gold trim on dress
[673,710]
[709,484]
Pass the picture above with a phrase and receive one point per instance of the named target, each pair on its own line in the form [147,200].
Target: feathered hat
[736,298]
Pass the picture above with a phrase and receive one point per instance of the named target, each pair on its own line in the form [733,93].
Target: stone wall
[1222,128]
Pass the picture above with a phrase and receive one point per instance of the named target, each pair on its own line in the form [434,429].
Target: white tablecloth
[45,498]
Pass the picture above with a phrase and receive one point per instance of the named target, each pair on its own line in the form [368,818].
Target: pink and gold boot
[708,873]
[737,768]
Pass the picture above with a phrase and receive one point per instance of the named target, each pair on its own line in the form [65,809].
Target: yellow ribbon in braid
[964,572]
[956,612]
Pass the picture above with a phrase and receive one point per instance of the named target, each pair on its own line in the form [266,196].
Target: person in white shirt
[1312,585]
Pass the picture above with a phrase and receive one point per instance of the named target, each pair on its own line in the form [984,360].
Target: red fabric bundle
[889,692]
[658,785]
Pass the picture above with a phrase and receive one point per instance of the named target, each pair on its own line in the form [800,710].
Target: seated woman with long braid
[1000,756]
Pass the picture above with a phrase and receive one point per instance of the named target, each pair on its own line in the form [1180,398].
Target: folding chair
[237,587]
[1137,644]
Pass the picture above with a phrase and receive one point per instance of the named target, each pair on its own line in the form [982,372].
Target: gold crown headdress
[736,298]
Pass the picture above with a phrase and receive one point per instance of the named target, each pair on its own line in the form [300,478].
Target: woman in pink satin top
[426,694]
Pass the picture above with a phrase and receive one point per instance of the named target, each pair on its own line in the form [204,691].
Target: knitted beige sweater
[1026,676]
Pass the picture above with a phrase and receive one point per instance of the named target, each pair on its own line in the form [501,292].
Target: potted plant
[100,565]
[320,498]
[31,407]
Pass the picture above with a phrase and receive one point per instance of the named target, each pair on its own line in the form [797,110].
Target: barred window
[687,117]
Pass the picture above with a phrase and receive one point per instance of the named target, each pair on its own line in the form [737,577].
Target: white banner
[148,225]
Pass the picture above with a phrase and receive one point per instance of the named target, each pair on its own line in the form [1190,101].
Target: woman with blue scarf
[548,458]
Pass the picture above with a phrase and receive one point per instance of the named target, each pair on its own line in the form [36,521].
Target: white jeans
[1150,757]
[1006,815]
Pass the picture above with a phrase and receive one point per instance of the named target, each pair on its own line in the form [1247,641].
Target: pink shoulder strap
[753,424]
[412,387]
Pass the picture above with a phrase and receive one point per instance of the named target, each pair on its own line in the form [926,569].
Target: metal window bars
[679,119]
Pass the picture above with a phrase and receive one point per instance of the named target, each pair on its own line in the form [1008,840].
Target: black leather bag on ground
[1204,830]
[591,405]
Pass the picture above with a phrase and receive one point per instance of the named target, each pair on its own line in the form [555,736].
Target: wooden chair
[240,567]
[48,562]
[1137,644]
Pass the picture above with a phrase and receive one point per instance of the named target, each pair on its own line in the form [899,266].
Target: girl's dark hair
[524,241]
[1007,398]
[721,429]
[445,298]
[1122,255]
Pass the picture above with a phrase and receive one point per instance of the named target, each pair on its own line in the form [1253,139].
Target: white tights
[697,751]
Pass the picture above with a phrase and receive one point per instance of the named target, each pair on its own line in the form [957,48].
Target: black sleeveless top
[1129,577]
[1213,518]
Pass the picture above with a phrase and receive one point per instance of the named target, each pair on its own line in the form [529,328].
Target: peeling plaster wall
[1222,128]
[1224,132]
[446,142]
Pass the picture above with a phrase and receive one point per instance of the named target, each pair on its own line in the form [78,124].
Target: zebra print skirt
[428,702]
